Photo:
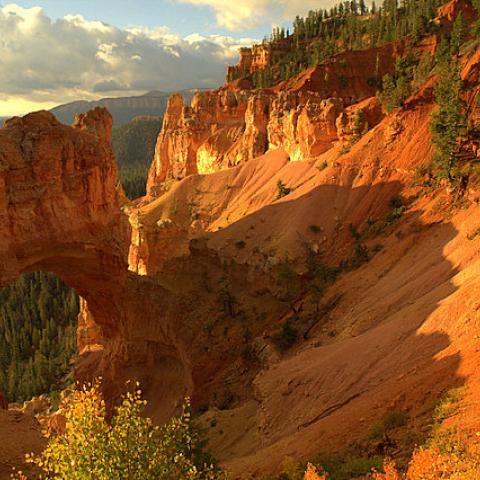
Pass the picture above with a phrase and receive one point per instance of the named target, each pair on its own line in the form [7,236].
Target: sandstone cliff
[224,128]
[60,212]
[305,115]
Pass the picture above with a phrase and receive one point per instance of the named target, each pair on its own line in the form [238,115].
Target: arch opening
[38,336]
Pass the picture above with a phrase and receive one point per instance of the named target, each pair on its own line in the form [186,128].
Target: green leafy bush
[227,300]
[289,282]
[392,421]
[348,464]
[286,337]
[129,446]
[322,166]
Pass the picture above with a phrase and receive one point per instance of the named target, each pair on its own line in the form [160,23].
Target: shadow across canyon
[386,344]
[60,212]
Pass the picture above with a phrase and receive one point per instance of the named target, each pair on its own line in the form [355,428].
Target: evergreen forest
[38,321]
[349,25]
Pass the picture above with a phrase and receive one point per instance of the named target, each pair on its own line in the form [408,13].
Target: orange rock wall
[225,128]
[305,115]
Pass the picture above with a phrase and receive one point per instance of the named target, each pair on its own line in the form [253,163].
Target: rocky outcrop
[36,405]
[257,58]
[213,121]
[154,243]
[58,194]
[357,119]
[304,115]
[224,128]
[89,333]
[304,126]
[448,12]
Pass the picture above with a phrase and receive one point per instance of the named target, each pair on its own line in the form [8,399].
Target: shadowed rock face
[60,212]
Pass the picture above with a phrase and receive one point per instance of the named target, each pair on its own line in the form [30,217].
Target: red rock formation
[395,296]
[244,66]
[225,127]
[57,191]
[96,122]
[448,13]
[36,405]
[214,120]
[257,58]
[56,423]
[351,75]
[89,333]
[267,55]
[357,119]
[60,212]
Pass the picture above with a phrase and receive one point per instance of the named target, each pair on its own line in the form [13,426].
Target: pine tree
[458,34]
[476,25]
[448,123]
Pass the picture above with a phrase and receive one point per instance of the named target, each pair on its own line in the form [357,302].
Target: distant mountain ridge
[122,109]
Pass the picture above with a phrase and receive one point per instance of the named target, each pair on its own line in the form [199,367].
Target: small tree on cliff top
[129,447]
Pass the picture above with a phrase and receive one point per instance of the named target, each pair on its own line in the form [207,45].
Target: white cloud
[89,26]
[245,14]
[106,53]
[45,62]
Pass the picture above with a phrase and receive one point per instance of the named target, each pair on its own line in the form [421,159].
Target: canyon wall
[225,128]
[407,316]
[305,115]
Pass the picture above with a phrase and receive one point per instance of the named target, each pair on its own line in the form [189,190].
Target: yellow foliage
[313,474]
[128,447]
[448,458]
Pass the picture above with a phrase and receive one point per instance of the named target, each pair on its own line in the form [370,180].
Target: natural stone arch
[60,211]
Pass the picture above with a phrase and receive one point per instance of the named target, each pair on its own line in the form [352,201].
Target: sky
[57,51]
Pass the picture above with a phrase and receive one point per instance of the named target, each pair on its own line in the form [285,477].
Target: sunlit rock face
[234,124]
